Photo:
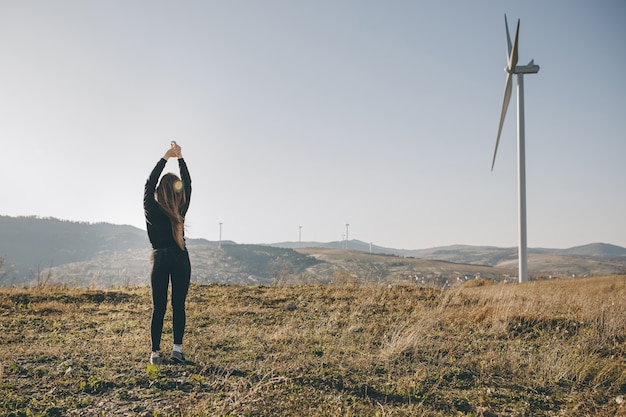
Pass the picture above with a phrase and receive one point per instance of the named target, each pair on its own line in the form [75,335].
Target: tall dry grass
[342,349]
[565,333]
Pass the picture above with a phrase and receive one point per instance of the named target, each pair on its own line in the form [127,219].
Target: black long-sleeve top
[157,222]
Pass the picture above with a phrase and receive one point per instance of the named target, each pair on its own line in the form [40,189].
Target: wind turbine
[513,68]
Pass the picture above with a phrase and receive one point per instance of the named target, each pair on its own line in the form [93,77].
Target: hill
[597,250]
[263,265]
[31,244]
[482,255]
[228,264]
[51,250]
[546,348]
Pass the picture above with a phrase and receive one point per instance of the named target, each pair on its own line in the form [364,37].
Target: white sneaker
[155,358]
[177,357]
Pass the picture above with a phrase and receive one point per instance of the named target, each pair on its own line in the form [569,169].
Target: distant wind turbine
[511,69]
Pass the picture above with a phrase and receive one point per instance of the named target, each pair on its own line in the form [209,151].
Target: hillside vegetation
[48,250]
[552,348]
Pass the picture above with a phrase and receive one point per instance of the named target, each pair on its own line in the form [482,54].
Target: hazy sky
[380,114]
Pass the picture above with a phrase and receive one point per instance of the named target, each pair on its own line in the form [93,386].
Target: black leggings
[169,263]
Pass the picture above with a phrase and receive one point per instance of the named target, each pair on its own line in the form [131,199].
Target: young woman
[165,207]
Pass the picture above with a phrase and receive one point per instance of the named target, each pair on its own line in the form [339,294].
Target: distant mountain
[29,244]
[592,259]
[104,254]
[350,245]
[479,255]
[597,250]
[226,264]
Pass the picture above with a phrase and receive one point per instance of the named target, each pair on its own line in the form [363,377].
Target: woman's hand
[174,151]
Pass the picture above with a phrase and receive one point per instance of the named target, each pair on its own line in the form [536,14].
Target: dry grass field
[552,348]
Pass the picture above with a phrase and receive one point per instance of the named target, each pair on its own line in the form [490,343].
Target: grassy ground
[554,348]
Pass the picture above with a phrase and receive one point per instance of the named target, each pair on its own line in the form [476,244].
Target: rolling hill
[37,250]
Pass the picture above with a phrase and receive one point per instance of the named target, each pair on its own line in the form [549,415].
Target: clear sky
[380,114]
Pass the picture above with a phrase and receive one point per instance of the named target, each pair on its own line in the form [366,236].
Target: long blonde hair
[171,198]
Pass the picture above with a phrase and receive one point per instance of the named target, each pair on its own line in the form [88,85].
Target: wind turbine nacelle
[531,68]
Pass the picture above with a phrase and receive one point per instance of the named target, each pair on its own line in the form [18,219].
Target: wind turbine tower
[513,68]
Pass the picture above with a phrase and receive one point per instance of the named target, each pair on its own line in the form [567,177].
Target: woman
[165,207]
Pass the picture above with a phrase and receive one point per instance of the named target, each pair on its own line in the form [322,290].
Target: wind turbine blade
[513,57]
[508,40]
[508,89]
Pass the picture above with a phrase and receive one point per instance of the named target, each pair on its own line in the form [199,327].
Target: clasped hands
[173,152]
